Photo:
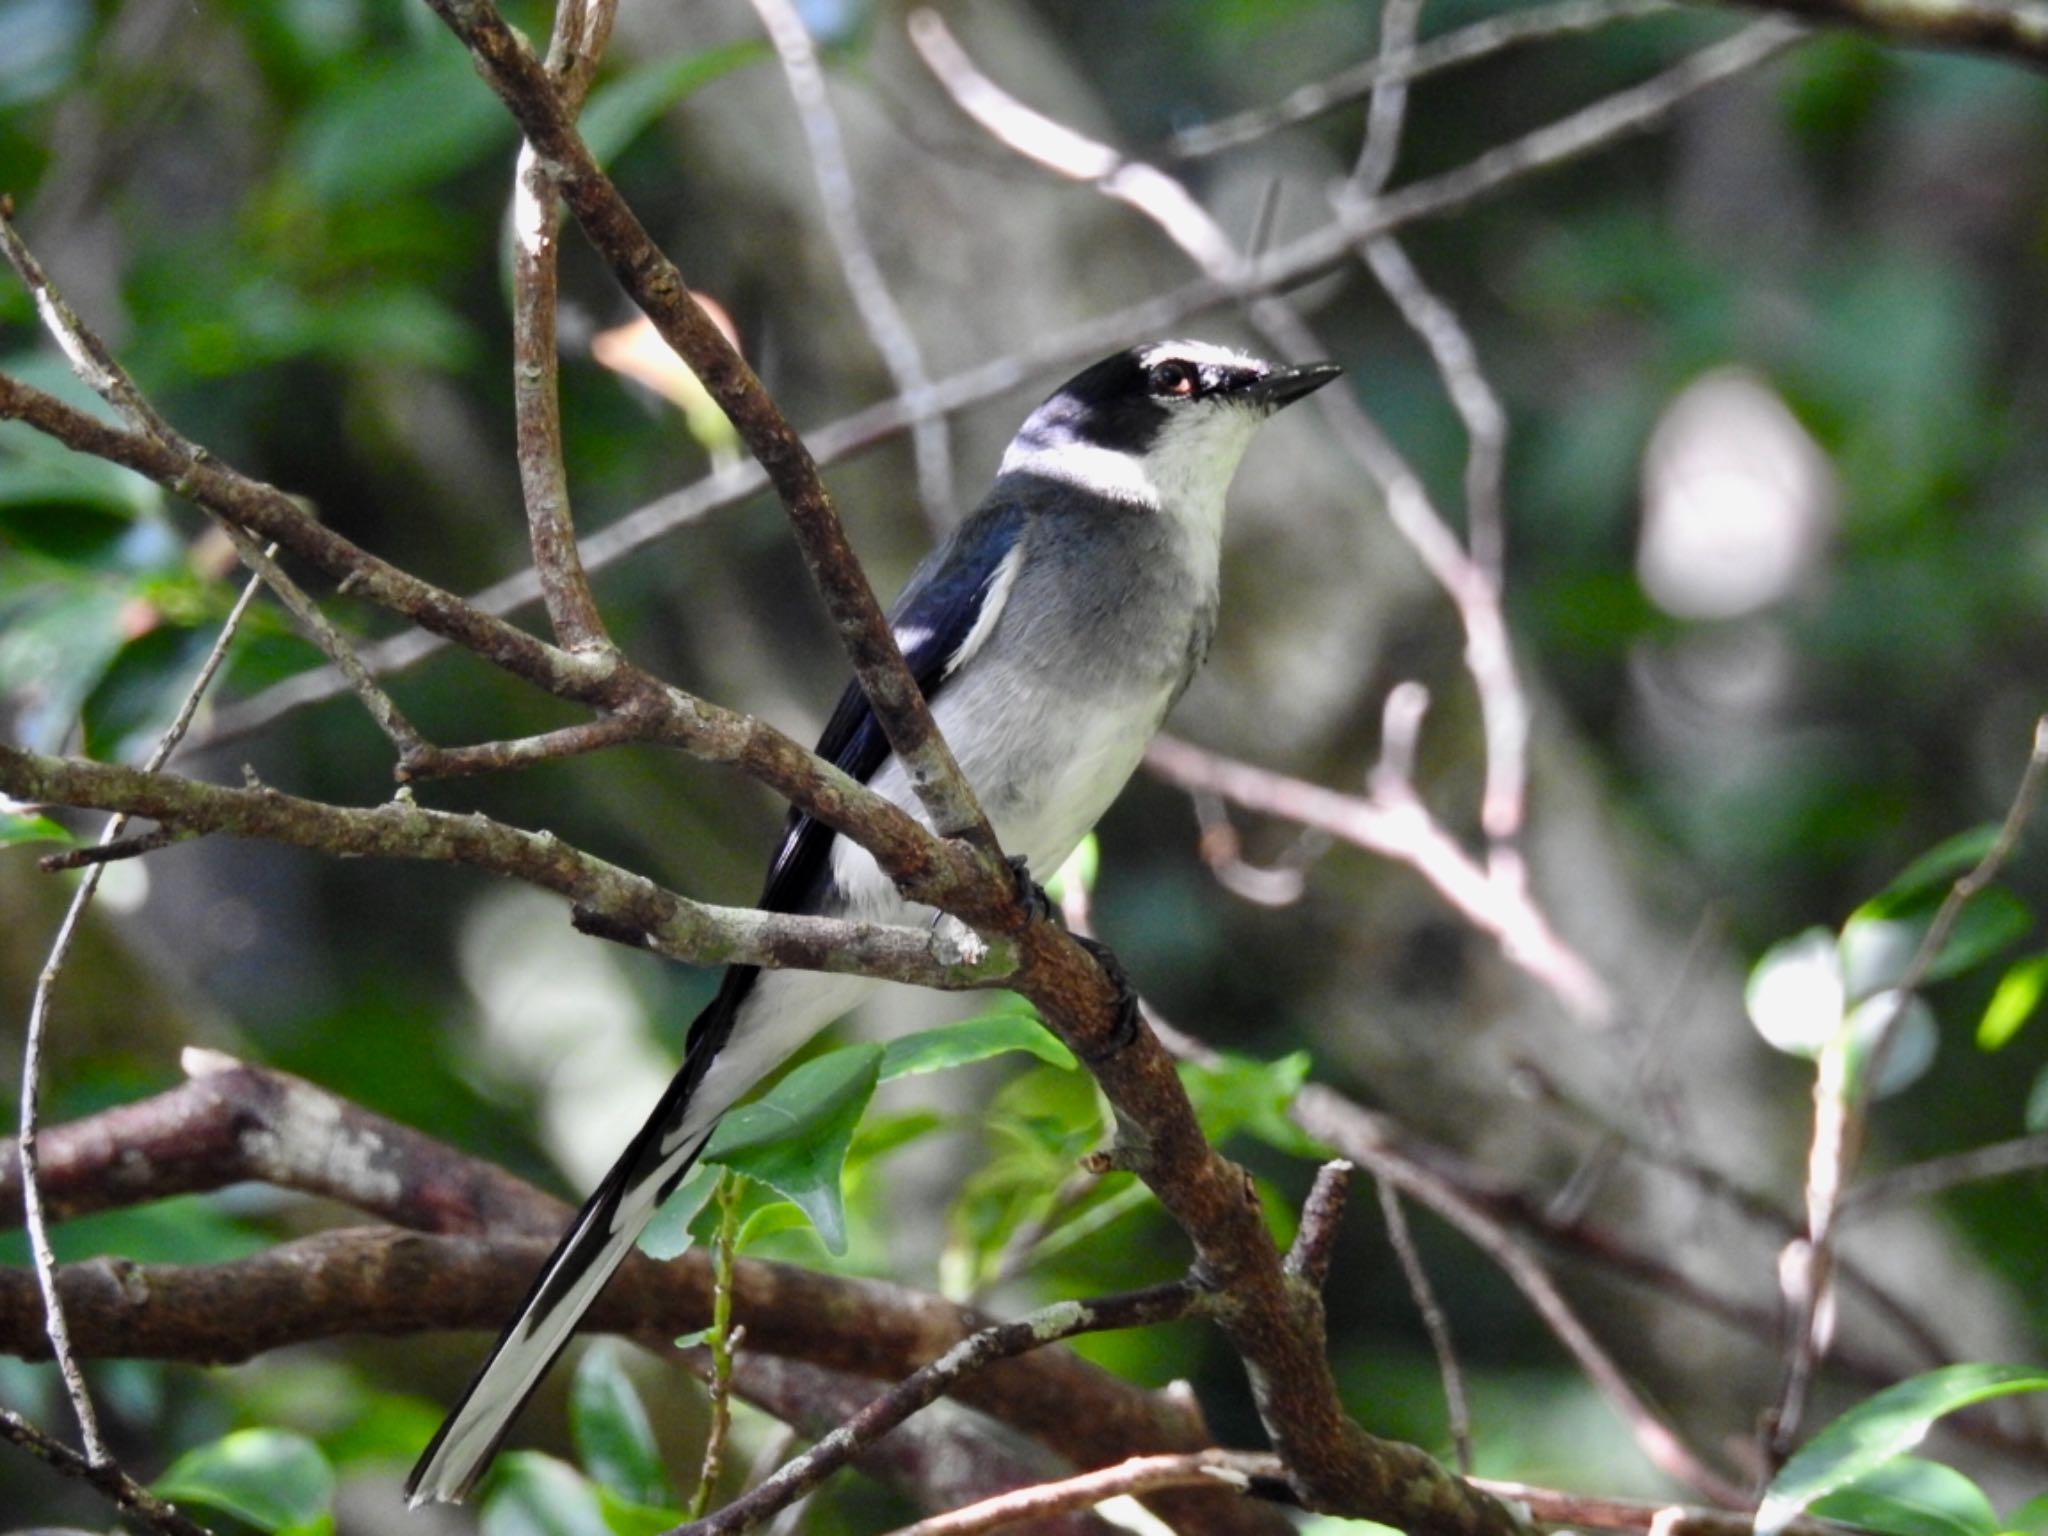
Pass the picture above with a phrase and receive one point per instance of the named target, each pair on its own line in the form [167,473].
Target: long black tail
[596,1243]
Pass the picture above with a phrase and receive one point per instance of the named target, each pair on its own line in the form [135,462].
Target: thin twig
[1460,47]
[722,1341]
[1841,1092]
[1246,1471]
[119,1488]
[38,1022]
[581,30]
[1580,133]
[2023,1154]
[1315,1240]
[431,762]
[886,325]
[110,852]
[2014,30]
[972,1355]
[1456,1406]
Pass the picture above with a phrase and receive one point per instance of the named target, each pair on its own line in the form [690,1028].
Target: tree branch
[2014,30]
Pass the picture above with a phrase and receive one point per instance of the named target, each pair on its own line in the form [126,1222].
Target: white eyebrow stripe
[1088,467]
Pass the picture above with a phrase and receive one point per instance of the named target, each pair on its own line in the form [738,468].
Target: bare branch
[1841,1103]
[1434,1323]
[886,326]
[431,762]
[1508,30]
[1397,827]
[1548,1506]
[510,69]
[1000,1341]
[1315,1240]
[1245,1471]
[119,1488]
[944,955]
[2014,30]
[582,27]
[2023,1154]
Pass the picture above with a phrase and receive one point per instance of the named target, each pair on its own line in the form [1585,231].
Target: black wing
[938,610]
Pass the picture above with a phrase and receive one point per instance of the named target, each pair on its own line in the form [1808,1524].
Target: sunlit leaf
[668,1235]
[1914,1036]
[795,1138]
[2017,996]
[1082,867]
[1884,1426]
[972,1040]
[25,827]
[1909,1496]
[622,1517]
[1239,1093]
[1882,936]
[2031,1516]
[273,1479]
[1794,995]
[614,1439]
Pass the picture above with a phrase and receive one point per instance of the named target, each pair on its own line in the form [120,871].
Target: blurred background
[1775,572]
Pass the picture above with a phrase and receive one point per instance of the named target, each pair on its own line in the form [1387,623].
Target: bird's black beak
[1284,386]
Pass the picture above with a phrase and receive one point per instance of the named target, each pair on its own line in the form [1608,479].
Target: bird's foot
[1030,894]
[1124,1029]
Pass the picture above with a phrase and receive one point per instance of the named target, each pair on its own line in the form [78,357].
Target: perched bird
[1051,632]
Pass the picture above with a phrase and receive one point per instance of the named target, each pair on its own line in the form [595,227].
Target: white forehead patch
[1201,353]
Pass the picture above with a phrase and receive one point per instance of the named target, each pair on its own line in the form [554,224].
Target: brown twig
[582,27]
[1000,1341]
[108,1479]
[1244,1471]
[1434,1322]
[1463,46]
[1552,1507]
[519,80]
[110,852]
[431,762]
[1841,1095]
[1315,1240]
[944,955]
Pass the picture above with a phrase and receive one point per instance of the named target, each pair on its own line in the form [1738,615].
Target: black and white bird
[1051,632]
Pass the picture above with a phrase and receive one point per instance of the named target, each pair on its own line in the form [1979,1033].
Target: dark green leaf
[795,1139]
[2017,996]
[385,131]
[51,658]
[535,1495]
[1885,1426]
[621,110]
[1940,866]
[272,1478]
[972,1040]
[613,1437]
[1882,936]
[1908,1496]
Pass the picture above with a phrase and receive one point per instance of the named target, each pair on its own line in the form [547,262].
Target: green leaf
[668,1235]
[2035,1116]
[2017,996]
[535,1495]
[1909,1496]
[764,1222]
[614,1439]
[1882,936]
[972,1040]
[622,1517]
[1940,866]
[381,132]
[18,827]
[2031,1516]
[52,656]
[621,110]
[1239,1093]
[1082,867]
[274,1479]
[794,1140]
[1887,1425]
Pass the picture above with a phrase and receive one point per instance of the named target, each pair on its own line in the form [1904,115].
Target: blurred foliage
[289,220]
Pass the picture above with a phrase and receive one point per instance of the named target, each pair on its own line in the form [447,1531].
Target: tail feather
[596,1243]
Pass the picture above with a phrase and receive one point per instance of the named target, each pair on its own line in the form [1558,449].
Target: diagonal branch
[606,897]
[2015,30]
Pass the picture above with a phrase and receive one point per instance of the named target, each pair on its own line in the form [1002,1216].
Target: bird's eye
[1173,378]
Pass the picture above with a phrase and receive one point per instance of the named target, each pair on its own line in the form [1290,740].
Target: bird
[1050,633]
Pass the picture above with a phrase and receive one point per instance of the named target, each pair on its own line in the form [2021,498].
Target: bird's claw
[1125,1027]
[1030,894]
